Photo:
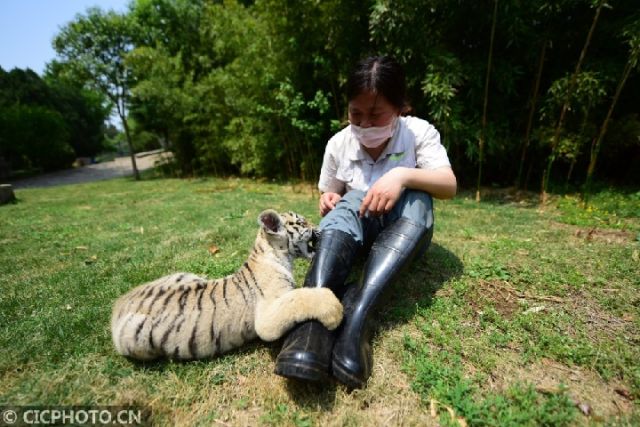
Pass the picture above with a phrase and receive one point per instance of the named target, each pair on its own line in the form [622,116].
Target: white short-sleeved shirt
[347,166]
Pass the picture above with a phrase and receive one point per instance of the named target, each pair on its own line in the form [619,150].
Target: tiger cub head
[290,232]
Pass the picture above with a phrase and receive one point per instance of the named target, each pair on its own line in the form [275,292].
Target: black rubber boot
[394,248]
[306,351]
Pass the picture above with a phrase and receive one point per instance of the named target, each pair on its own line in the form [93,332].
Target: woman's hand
[384,194]
[328,202]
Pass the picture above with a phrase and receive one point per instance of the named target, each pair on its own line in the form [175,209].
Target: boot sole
[346,377]
[300,371]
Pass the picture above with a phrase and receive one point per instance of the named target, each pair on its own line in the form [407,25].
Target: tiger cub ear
[270,221]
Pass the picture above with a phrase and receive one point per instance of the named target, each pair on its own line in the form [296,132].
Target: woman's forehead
[369,101]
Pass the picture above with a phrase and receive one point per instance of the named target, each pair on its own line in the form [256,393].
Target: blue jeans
[413,205]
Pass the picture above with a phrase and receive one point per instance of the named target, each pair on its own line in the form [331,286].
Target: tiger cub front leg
[275,317]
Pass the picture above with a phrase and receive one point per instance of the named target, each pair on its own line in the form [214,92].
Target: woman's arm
[440,183]
[383,195]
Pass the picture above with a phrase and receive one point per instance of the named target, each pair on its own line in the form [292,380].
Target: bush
[34,137]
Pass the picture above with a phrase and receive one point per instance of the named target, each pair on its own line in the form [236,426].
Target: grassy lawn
[517,315]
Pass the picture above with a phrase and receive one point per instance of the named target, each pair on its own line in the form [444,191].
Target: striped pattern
[184,316]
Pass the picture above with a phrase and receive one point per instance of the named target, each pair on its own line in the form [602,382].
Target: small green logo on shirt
[396,157]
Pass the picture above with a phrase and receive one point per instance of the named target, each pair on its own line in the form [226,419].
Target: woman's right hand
[328,202]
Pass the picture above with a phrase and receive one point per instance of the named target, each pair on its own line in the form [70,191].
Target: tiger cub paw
[328,309]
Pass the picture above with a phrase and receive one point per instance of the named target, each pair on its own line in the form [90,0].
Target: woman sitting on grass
[377,179]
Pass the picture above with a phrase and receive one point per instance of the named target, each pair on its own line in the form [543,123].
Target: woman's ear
[270,221]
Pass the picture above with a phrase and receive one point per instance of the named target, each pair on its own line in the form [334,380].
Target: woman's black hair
[381,75]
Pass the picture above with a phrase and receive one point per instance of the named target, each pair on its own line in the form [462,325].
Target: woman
[378,175]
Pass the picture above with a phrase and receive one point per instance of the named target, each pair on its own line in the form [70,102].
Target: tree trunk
[125,125]
[336,98]
[566,183]
[595,146]
[565,106]
[122,113]
[532,111]
[289,155]
[486,101]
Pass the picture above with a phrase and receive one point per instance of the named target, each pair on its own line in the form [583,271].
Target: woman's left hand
[384,193]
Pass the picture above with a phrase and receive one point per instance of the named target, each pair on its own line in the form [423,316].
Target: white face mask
[374,136]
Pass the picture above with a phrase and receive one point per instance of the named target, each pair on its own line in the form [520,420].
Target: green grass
[516,315]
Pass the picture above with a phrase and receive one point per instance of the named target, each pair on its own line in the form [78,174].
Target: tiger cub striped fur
[184,316]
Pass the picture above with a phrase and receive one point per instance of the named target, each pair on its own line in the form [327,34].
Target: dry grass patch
[604,235]
[506,300]
[596,398]
[597,234]
[601,323]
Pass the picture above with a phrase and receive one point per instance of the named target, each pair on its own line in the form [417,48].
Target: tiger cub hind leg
[143,323]
[276,317]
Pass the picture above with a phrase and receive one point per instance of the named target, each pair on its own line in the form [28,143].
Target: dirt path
[117,168]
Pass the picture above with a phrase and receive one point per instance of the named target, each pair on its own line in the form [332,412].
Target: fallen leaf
[82,248]
[213,249]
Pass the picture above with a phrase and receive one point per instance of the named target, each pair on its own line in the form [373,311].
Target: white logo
[9,416]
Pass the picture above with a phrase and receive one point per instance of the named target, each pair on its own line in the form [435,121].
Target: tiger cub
[183,316]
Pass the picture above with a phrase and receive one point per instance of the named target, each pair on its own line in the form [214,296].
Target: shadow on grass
[307,394]
[162,362]
[416,287]
[414,290]
[312,396]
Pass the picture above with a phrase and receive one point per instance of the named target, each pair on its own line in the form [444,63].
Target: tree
[94,47]
[34,137]
[632,34]
[565,106]
[532,111]
[185,87]
[23,87]
[84,110]
[485,102]
[46,123]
